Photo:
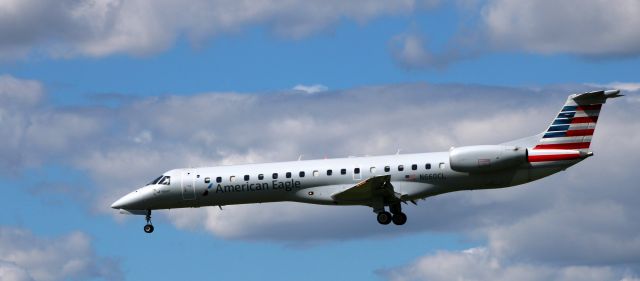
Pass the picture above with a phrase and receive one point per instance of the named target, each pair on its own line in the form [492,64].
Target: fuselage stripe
[574,133]
[590,107]
[588,119]
[553,157]
[554,135]
[573,145]
[558,128]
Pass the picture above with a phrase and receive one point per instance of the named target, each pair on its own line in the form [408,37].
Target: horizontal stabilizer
[596,96]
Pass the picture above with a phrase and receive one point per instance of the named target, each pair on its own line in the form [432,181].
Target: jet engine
[486,158]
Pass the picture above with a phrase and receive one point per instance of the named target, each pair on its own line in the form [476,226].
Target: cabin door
[188,188]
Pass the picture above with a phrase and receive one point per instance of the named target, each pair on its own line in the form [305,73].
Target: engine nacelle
[486,158]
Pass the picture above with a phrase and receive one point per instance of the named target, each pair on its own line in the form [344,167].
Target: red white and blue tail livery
[383,183]
[574,126]
[570,133]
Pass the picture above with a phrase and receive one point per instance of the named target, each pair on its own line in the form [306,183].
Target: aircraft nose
[129,201]
[118,204]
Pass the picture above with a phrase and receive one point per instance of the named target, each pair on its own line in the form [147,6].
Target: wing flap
[366,189]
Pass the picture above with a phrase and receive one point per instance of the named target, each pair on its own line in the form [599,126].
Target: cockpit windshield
[166,180]
[155,181]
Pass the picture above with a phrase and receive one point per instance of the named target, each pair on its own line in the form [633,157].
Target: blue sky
[98,97]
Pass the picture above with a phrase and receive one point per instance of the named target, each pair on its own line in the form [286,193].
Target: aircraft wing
[368,189]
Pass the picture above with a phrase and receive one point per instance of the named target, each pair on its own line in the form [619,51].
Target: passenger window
[288,175]
[441,165]
[400,168]
[372,170]
[219,179]
[260,176]
[301,174]
[427,166]
[232,178]
[207,180]
[315,173]
[414,167]
[329,172]
[246,177]
[356,170]
[387,169]
[274,176]
[343,171]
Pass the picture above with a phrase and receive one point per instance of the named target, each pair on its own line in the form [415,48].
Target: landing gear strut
[148,228]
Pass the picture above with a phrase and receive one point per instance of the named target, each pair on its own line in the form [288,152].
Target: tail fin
[573,128]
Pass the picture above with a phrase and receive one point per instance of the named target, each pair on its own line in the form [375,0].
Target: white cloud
[566,218]
[624,86]
[12,272]
[71,257]
[20,91]
[586,28]
[104,27]
[591,28]
[311,89]
[481,264]
[143,137]
[32,131]
[411,50]
[577,225]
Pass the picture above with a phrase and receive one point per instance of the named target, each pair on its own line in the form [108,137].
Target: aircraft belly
[541,170]
[415,190]
[231,198]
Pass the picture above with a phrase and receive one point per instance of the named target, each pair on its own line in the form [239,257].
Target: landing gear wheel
[384,218]
[148,228]
[399,219]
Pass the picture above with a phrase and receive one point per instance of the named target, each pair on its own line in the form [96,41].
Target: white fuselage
[415,176]
[381,181]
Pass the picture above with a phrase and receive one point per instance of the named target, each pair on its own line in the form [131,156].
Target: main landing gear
[148,228]
[396,216]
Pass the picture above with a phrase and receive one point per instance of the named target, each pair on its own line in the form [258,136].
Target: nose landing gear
[148,228]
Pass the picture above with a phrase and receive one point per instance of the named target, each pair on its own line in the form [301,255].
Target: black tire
[384,218]
[148,228]
[399,219]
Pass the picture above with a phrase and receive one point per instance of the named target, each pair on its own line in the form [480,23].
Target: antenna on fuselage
[398,152]
[300,157]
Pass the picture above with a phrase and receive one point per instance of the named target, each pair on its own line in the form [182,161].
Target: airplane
[380,181]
